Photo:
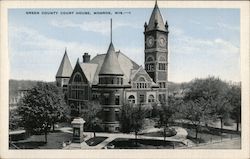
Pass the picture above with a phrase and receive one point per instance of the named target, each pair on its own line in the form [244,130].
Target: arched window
[151,98]
[142,79]
[131,99]
[141,83]
[150,59]
[77,78]
[162,58]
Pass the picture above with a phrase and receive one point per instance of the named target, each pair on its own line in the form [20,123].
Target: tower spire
[111,30]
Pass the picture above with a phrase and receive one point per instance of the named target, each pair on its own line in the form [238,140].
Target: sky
[202,42]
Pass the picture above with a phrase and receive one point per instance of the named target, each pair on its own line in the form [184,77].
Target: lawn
[55,140]
[169,133]
[122,143]
[206,136]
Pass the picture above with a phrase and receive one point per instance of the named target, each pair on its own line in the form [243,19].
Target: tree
[125,119]
[90,115]
[214,92]
[14,119]
[196,112]
[41,108]
[132,117]
[168,112]
[138,114]
[221,109]
[234,96]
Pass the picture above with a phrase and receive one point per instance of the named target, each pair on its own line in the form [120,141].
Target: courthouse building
[115,80]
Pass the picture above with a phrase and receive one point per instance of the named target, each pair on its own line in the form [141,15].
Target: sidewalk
[179,137]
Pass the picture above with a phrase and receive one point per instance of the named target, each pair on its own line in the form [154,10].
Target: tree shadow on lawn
[123,143]
[95,140]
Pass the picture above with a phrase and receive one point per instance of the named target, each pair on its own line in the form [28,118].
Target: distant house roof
[156,18]
[65,69]
[111,65]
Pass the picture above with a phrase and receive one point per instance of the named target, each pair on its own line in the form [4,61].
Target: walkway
[179,137]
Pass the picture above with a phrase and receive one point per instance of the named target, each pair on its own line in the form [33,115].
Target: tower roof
[156,18]
[65,69]
[111,65]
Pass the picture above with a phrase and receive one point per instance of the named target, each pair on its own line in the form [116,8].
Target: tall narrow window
[117,99]
[142,98]
[151,99]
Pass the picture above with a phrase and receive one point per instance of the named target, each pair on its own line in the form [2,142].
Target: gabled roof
[111,65]
[89,69]
[134,72]
[65,69]
[156,18]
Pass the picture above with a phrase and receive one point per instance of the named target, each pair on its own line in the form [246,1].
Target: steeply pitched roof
[89,69]
[156,18]
[126,65]
[65,69]
[111,65]
[141,70]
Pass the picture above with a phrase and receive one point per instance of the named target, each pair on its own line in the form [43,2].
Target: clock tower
[156,51]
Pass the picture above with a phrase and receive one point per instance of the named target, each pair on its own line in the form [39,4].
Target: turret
[64,72]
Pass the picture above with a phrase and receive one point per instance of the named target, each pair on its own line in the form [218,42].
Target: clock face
[162,41]
[150,41]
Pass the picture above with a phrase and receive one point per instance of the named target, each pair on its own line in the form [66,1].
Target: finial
[155,2]
[111,30]
[65,49]
[77,60]
[166,24]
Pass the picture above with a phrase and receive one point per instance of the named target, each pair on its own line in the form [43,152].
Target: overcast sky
[202,42]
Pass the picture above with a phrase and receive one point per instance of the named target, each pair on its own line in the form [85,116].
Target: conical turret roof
[111,65]
[65,69]
[156,18]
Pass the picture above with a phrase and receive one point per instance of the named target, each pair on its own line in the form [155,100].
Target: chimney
[86,57]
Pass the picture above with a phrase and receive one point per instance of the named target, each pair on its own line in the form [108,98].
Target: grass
[205,136]
[122,143]
[169,133]
[95,140]
[55,140]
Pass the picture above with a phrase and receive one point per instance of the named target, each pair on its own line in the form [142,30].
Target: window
[131,99]
[117,99]
[149,59]
[141,83]
[151,99]
[162,84]
[106,98]
[162,66]
[78,78]
[150,67]
[141,98]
